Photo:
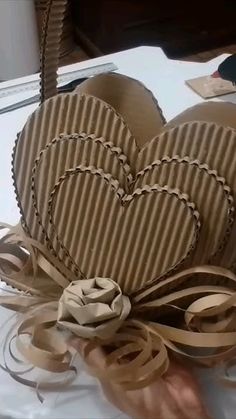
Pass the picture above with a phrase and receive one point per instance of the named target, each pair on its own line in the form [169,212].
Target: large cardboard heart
[68,151]
[80,116]
[95,115]
[134,239]
[68,113]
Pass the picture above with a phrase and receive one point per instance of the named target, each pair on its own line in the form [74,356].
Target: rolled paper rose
[93,308]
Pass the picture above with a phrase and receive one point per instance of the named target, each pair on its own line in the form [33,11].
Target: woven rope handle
[50,47]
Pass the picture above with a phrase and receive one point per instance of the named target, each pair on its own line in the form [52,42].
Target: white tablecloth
[84,400]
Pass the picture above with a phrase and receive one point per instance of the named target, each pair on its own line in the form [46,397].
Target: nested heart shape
[133,238]
[192,178]
[85,114]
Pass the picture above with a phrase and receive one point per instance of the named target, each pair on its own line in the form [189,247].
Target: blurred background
[196,31]
[193,31]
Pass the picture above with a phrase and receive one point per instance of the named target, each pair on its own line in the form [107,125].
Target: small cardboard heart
[134,239]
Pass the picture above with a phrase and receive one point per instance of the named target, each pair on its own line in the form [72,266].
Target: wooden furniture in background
[181,28]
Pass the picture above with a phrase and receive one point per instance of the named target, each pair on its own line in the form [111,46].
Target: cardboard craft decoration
[111,195]
[131,214]
[116,206]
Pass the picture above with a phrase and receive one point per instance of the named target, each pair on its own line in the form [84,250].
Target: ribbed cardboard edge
[50,47]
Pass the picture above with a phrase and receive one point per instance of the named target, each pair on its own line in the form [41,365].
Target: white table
[166,80]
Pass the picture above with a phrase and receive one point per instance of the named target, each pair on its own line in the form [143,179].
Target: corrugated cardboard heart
[107,208]
[132,238]
[62,154]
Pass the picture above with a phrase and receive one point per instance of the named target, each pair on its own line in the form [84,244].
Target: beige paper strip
[136,338]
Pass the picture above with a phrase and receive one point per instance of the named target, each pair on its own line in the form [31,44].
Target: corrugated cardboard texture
[50,47]
[140,108]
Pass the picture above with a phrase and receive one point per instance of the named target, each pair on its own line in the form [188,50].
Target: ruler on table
[62,78]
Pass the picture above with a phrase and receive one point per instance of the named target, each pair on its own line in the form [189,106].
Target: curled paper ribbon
[136,345]
[93,308]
